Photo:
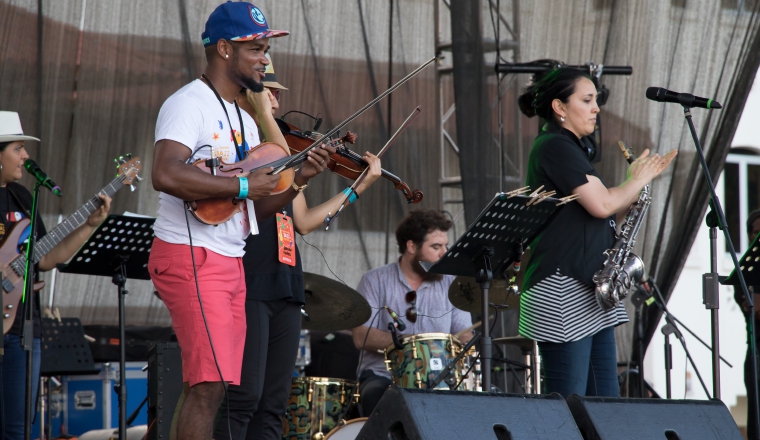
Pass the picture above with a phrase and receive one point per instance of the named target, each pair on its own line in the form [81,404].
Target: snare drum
[422,358]
[349,431]
[316,406]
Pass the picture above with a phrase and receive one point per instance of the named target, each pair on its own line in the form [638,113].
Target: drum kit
[319,407]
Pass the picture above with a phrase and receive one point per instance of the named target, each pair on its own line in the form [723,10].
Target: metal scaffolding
[450,179]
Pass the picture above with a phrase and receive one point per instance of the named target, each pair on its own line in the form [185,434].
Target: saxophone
[622,268]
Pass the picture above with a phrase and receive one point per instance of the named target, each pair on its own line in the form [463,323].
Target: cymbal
[331,305]
[465,294]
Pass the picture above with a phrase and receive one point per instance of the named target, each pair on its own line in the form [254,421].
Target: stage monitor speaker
[164,387]
[607,418]
[405,414]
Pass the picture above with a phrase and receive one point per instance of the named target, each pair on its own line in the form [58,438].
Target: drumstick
[471,328]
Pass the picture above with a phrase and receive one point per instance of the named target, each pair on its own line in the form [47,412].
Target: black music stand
[501,231]
[749,264]
[119,249]
[65,351]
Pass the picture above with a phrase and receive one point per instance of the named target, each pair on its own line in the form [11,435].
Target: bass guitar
[13,263]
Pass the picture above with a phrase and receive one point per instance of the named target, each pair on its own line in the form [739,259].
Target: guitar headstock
[130,168]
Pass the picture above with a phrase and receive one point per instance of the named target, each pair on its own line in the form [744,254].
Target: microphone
[317,123]
[664,95]
[42,178]
[399,323]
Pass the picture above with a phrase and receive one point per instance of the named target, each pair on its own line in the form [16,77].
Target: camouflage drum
[316,406]
[422,358]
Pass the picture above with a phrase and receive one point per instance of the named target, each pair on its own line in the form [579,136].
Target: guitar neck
[67,226]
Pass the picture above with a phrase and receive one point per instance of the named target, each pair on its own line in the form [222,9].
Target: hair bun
[527,103]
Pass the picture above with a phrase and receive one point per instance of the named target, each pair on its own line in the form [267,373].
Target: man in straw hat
[195,267]
[15,206]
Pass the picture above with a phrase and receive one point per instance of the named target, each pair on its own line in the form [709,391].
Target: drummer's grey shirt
[387,286]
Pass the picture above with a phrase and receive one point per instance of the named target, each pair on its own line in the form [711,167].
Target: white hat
[10,128]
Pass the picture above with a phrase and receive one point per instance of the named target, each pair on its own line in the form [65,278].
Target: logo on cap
[257,16]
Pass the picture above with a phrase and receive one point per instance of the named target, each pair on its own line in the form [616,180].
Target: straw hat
[10,128]
[269,79]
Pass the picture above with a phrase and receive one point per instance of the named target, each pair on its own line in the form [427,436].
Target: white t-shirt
[194,117]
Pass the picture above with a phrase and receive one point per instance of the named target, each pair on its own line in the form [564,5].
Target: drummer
[420,299]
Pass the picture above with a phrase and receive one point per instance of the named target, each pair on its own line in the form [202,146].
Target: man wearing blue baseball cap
[197,268]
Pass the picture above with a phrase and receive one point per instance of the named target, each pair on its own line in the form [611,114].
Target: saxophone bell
[611,290]
[634,270]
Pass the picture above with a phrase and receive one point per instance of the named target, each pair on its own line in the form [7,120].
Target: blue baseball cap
[237,21]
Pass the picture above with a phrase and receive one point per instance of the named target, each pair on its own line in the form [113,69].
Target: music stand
[499,235]
[65,351]
[119,249]
[749,264]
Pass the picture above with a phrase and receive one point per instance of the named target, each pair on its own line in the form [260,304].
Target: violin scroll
[344,162]
[350,137]
[412,196]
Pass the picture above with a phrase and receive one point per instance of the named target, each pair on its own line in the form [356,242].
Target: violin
[344,162]
[217,210]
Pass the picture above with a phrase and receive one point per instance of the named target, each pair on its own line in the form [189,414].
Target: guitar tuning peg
[132,188]
[128,156]
[139,179]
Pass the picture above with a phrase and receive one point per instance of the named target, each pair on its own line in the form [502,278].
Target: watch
[297,188]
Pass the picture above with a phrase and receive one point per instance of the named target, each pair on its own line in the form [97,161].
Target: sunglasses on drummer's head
[411,312]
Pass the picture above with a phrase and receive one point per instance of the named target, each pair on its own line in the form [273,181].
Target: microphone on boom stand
[686,99]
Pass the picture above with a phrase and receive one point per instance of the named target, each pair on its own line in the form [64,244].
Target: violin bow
[298,158]
[416,112]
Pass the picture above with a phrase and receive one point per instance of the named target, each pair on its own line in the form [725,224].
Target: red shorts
[222,286]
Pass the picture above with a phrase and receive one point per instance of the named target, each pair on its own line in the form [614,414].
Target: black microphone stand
[711,296]
[668,330]
[120,280]
[27,330]
[638,299]
[711,280]
[660,302]
[394,336]
[2,354]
